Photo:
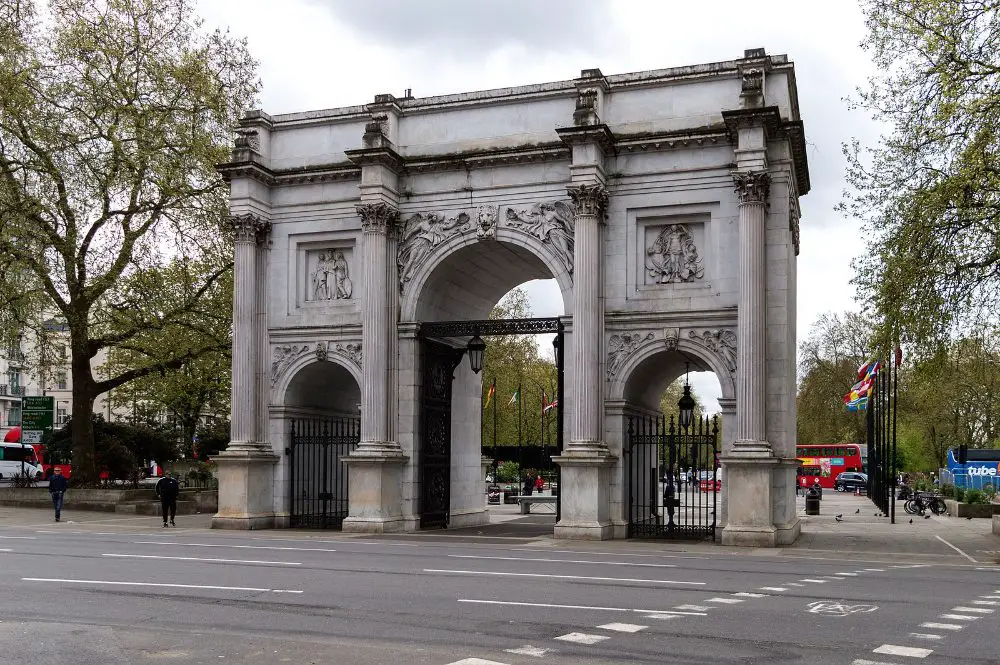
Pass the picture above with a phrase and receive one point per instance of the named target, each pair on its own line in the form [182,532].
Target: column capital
[589,200]
[752,186]
[249,228]
[377,217]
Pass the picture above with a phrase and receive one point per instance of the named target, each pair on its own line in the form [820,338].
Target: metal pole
[895,471]
[560,403]
[494,426]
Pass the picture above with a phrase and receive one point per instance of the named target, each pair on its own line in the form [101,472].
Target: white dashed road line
[986,602]
[911,652]
[959,617]
[747,594]
[773,588]
[528,650]
[863,661]
[476,661]
[724,601]
[558,577]
[941,626]
[582,638]
[623,627]
[194,558]
[979,610]
[156,584]
[693,608]
[926,636]
[599,563]
[577,607]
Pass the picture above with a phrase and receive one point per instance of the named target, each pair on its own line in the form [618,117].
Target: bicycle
[922,501]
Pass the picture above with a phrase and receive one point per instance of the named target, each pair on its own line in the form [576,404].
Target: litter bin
[812,502]
[818,489]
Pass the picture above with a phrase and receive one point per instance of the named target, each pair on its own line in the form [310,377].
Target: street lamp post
[686,404]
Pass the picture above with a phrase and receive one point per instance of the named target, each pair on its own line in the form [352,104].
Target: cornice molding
[380,156]
[582,135]
[775,128]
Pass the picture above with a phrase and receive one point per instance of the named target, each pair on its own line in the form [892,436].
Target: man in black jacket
[57,488]
[168,489]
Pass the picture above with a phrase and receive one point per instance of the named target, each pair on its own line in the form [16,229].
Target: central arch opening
[466,285]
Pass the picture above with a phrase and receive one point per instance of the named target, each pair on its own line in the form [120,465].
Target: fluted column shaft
[377,221]
[751,346]
[244,402]
[261,374]
[585,391]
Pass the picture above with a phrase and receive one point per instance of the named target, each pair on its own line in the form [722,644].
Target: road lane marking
[725,601]
[623,627]
[959,617]
[874,570]
[242,547]
[814,581]
[986,602]
[980,610]
[793,584]
[693,608]
[941,626]
[528,650]
[601,563]
[156,584]
[830,577]
[194,558]
[863,661]
[5,549]
[926,636]
[476,661]
[773,588]
[747,594]
[578,607]
[558,577]
[19,537]
[956,549]
[912,652]
[847,574]
[582,638]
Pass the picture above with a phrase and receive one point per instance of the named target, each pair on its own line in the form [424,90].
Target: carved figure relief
[673,257]
[283,356]
[321,351]
[350,350]
[621,346]
[671,337]
[486,228]
[549,222]
[721,342]
[331,279]
[423,232]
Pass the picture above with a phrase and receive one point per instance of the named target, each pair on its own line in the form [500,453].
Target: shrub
[989,490]
[508,472]
[975,497]
[948,491]
[960,494]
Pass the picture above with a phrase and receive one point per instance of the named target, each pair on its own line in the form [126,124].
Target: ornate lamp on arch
[476,348]
[686,404]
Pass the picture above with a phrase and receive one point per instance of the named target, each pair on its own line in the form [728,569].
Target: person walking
[167,490]
[57,488]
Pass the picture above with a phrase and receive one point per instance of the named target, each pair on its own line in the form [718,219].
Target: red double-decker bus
[822,462]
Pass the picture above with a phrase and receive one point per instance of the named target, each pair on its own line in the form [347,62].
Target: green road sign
[37,416]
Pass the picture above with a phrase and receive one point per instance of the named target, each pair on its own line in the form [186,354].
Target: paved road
[113,590]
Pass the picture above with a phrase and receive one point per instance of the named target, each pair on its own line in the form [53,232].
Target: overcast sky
[318,54]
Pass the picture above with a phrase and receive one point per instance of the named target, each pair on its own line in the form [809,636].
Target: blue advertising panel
[974,474]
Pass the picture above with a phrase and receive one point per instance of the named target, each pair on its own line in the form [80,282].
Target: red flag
[899,356]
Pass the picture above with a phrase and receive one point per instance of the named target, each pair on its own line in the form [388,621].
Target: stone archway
[316,397]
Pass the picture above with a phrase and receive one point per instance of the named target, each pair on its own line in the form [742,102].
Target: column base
[749,521]
[374,482]
[468,519]
[751,448]
[246,492]
[584,491]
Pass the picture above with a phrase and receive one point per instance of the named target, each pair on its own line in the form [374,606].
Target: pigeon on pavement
[857,512]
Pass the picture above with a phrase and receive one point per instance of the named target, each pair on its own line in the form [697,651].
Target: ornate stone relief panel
[421,233]
[720,342]
[672,255]
[621,346]
[328,274]
[349,350]
[551,222]
[284,355]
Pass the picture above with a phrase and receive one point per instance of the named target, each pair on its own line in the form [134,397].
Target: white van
[11,457]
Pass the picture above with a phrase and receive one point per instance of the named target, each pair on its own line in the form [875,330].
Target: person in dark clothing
[168,489]
[57,488]
[529,485]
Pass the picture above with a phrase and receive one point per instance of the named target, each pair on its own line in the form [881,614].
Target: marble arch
[659,200]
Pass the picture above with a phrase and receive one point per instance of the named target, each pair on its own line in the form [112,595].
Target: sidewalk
[859,536]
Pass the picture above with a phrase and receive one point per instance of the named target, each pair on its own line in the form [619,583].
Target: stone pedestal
[749,522]
[246,492]
[375,500]
[584,491]
[785,516]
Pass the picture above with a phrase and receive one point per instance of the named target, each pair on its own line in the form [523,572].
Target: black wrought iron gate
[435,433]
[318,479]
[672,477]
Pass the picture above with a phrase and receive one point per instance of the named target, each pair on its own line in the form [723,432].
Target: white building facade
[664,204]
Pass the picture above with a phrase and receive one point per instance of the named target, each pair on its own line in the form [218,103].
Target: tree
[112,119]
[829,358]
[929,192]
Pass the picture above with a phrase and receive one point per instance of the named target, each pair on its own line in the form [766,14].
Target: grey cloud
[484,25]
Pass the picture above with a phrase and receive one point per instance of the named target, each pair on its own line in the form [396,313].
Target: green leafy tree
[929,192]
[113,116]
[829,358]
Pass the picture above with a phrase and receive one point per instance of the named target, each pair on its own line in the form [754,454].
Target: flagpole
[494,426]
[520,457]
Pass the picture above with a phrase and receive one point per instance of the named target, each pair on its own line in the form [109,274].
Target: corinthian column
[377,220]
[248,229]
[261,369]
[585,395]
[752,187]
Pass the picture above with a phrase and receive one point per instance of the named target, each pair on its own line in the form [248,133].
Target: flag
[551,405]
[489,395]
[515,397]
[899,356]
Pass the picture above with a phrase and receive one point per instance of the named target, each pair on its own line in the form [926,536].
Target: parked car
[849,480]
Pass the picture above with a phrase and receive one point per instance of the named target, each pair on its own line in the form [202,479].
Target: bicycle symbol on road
[834,609]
